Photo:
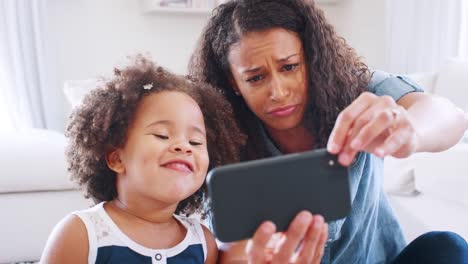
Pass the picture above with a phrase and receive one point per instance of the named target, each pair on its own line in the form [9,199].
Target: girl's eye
[290,67]
[161,136]
[255,78]
[195,143]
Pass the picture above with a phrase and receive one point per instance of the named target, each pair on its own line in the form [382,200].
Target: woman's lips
[283,111]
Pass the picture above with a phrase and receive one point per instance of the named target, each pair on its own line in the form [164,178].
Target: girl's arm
[68,242]
[211,247]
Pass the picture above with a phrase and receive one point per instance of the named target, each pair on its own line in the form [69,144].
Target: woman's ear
[114,162]
[234,86]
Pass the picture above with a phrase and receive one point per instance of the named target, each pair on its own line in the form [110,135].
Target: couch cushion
[399,176]
[452,82]
[33,160]
[29,219]
[423,213]
[444,174]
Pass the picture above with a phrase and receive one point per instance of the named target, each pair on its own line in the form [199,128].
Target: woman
[296,86]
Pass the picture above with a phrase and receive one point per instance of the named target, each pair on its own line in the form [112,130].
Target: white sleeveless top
[108,244]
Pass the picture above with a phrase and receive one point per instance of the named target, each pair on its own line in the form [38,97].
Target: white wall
[89,37]
[363,24]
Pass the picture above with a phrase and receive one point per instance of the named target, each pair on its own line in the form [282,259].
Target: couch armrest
[33,160]
[426,80]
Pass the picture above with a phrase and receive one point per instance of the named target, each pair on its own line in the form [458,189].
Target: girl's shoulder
[68,242]
[201,235]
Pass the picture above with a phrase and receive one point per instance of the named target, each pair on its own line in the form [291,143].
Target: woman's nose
[278,90]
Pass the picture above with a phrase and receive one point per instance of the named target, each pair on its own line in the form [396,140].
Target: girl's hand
[303,242]
[373,124]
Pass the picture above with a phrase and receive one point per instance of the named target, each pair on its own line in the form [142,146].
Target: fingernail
[269,227]
[380,152]
[343,159]
[332,147]
[391,147]
[304,217]
[318,220]
[356,144]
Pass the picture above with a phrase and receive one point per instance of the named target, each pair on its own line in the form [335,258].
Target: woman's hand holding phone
[303,242]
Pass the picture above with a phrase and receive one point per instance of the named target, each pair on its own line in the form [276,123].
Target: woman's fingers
[314,241]
[377,120]
[373,121]
[389,133]
[400,144]
[294,235]
[304,241]
[256,247]
[321,245]
[373,124]
[345,121]
[376,132]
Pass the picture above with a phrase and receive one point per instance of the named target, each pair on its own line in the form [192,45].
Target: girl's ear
[114,162]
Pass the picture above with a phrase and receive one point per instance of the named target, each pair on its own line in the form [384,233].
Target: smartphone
[245,194]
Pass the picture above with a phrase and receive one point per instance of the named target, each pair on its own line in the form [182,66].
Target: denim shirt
[370,233]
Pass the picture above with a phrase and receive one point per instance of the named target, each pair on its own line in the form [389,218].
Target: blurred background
[52,52]
[47,42]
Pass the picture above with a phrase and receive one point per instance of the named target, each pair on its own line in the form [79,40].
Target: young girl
[139,146]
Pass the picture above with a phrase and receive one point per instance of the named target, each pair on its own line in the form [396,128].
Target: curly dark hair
[101,122]
[336,74]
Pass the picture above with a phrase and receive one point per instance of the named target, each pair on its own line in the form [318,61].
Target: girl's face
[269,72]
[165,157]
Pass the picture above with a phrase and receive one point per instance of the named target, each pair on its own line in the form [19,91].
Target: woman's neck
[298,139]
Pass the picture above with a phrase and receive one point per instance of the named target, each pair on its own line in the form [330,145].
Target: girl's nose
[181,148]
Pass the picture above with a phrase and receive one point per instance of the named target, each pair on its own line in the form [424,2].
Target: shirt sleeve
[396,86]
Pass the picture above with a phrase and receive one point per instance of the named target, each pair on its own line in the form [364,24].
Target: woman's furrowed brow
[287,57]
[251,70]
[255,69]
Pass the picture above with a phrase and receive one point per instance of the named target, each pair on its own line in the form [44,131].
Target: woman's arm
[438,123]
[68,242]
[379,125]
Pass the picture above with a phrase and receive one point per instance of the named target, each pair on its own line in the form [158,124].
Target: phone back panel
[244,195]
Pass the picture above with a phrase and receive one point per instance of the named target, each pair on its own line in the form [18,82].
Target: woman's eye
[290,67]
[255,78]
[195,143]
[161,136]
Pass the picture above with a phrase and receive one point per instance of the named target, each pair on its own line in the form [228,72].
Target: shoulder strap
[86,217]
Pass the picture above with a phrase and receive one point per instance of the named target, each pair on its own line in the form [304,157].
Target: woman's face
[269,72]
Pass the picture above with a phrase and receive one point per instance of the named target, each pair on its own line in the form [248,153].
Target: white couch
[428,190]
[35,192]
[425,190]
